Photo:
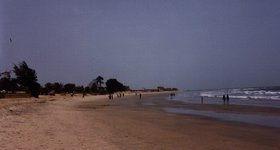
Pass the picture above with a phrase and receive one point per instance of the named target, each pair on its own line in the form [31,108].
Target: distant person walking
[224,99]
[111,96]
[172,95]
[84,94]
[140,95]
[227,98]
[201,99]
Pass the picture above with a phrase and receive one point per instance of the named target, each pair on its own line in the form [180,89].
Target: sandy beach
[94,122]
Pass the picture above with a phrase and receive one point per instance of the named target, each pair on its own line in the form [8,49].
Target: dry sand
[96,123]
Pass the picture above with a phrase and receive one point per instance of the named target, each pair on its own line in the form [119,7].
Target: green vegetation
[96,86]
[8,84]
[26,80]
[26,77]
[113,85]
[69,87]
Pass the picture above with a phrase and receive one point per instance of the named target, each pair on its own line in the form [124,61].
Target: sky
[188,44]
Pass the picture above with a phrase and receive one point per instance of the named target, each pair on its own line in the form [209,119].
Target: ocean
[256,96]
[260,96]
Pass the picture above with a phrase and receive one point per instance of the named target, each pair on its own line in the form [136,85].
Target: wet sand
[127,123]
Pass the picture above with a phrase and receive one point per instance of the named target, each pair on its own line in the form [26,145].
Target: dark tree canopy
[49,86]
[57,87]
[113,85]
[99,81]
[27,77]
[8,84]
[87,89]
[34,89]
[69,87]
[95,86]
[79,89]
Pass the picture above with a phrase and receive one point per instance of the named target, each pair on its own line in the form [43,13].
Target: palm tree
[99,81]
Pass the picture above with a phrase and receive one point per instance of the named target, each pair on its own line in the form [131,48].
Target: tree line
[26,80]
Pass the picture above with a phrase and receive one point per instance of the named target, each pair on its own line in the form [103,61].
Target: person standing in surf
[224,99]
[227,98]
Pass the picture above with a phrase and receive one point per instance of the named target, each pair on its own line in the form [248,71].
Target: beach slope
[95,122]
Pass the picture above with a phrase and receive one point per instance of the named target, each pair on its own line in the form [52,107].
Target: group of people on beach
[226,99]
[172,95]
[111,96]
[119,95]
[140,95]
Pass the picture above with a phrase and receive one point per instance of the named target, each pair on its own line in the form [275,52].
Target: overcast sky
[189,44]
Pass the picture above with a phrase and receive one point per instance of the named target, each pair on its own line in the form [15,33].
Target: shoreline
[253,115]
[128,123]
[163,101]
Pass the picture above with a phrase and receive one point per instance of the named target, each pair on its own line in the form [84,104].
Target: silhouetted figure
[11,40]
[172,95]
[201,99]
[84,94]
[140,95]
[3,93]
[111,96]
[224,99]
[227,98]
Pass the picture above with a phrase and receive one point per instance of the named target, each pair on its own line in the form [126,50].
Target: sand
[94,122]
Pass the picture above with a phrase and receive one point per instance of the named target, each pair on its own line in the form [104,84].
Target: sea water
[261,96]
[268,121]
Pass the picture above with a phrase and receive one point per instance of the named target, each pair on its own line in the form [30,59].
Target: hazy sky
[190,44]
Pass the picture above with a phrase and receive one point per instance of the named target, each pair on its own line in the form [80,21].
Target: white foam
[265,97]
[272,93]
[240,97]
[254,97]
